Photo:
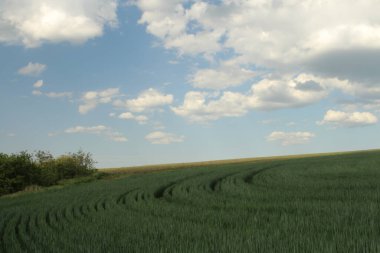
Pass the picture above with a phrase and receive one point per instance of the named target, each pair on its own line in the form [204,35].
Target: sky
[152,81]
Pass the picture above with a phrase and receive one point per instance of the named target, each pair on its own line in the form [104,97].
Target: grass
[61,184]
[175,166]
[313,203]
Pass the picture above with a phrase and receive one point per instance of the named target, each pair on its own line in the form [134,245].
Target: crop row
[327,204]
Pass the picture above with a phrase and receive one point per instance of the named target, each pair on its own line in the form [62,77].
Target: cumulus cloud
[300,36]
[168,20]
[141,119]
[295,28]
[58,94]
[163,18]
[220,78]
[38,84]
[201,43]
[268,94]
[201,107]
[370,93]
[369,105]
[148,99]
[32,69]
[348,119]
[91,99]
[359,65]
[81,129]
[159,137]
[98,130]
[290,138]
[41,21]
[288,92]
[65,94]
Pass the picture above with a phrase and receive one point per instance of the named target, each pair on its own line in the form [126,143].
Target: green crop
[316,204]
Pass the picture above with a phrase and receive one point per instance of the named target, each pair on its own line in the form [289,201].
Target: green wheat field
[320,203]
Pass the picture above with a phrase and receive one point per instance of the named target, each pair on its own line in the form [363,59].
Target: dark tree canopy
[18,171]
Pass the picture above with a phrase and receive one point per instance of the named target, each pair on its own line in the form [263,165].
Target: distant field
[174,166]
[311,203]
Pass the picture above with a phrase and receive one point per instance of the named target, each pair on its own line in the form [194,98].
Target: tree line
[20,170]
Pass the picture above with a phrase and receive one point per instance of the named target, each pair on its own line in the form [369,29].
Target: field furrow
[319,204]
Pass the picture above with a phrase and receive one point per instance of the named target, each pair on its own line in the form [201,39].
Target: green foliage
[319,204]
[18,171]
[47,170]
[74,164]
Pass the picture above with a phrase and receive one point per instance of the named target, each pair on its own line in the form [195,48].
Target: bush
[18,171]
[47,170]
[74,164]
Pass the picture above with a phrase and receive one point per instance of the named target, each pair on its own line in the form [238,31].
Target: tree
[18,171]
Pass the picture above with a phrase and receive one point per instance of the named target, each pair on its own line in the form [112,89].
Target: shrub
[74,164]
[18,171]
[47,170]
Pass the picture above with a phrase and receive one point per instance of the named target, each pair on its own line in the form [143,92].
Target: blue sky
[146,82]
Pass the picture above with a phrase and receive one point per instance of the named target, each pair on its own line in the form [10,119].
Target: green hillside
[327,203]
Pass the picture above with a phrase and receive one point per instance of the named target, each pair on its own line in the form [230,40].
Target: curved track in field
[32,230]
[216,209]
[216,199]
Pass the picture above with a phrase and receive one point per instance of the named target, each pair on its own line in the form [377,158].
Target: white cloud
[290,138]
[58,94]
[169,21]
[53,94]
[201,43]
[371,105]
[294,29]
[300,36]
[369,94]
[81,129]
[38,84]
[288,92]
[220,78]
[32,69]
[117,137]
[159,137]
[85,108]
[91,99]
[344,36]
[41,21]
[197,106]
[287,36]
[141,119]
[98,130]
[148,99]
[348,119]
[163,18]
[267,94]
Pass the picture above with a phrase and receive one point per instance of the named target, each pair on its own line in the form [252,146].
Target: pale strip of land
[174,166]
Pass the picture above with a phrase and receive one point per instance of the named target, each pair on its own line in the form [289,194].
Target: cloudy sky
[154,81]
